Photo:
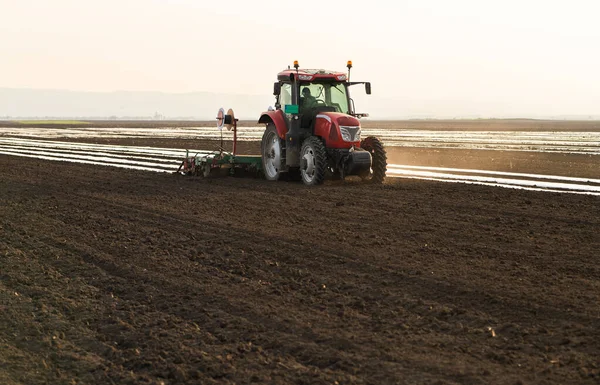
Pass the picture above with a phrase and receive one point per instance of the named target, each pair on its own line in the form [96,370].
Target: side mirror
[368,88]
[276,89]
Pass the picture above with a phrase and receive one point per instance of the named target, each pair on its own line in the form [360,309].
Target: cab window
[285,96]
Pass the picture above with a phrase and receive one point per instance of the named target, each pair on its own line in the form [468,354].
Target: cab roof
[312,75]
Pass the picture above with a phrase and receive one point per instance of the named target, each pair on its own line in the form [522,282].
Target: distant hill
[63,104]
[28,103]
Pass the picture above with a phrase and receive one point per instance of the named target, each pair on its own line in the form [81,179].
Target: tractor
[314,133]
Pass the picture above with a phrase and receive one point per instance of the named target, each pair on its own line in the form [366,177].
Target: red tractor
[314,131]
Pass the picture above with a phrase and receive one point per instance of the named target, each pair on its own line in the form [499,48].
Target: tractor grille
[350,133]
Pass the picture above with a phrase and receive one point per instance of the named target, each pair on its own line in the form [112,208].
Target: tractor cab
[315,91]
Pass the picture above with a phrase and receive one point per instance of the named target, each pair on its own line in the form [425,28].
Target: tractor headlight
[345,134]
[350,133]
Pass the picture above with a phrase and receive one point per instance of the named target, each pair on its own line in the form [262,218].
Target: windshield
[324,94]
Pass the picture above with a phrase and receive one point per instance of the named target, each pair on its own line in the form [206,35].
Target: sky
[427,57]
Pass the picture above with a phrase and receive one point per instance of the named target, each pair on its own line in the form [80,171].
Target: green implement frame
[236,164]
[222,162]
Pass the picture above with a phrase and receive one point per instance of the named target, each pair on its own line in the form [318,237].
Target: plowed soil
[111,276]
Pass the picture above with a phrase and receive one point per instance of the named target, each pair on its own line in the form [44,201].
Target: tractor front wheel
[376,174]
[313,161]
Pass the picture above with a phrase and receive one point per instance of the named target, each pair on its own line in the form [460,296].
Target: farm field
[112,275]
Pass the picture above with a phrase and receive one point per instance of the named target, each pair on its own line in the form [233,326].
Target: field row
[560,142]
[169,159]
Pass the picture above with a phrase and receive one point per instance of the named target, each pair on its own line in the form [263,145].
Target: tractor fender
[276,117]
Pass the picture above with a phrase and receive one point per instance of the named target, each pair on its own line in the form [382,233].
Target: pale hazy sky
[448,57]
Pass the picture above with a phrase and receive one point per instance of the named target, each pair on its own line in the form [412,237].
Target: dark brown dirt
[115,276]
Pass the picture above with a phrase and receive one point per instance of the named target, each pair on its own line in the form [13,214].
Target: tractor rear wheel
[378,160]
[271,153]
[313,161]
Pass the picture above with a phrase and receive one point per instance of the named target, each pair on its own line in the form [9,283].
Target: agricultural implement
[313,133]
[221,162]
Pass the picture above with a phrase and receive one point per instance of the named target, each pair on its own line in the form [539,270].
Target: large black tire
[313,161]
[378,169]
[271,149]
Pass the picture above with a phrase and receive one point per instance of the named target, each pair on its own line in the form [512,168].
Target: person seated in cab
[307,101]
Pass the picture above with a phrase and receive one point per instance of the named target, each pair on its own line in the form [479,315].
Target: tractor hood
[339,119]
[339,130]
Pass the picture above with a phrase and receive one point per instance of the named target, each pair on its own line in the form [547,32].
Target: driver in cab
[308,101]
